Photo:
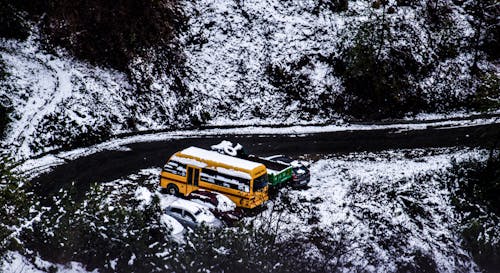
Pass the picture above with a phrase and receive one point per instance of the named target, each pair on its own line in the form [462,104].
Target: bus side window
[174,167]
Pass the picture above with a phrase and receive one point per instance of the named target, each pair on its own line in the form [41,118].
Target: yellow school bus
[243,181]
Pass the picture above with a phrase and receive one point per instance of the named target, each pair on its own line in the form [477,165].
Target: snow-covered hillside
[246,62]
[387,212]
[56,100]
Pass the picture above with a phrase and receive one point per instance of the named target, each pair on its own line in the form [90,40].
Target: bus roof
[220,158]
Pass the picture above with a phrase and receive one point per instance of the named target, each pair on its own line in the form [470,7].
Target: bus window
[260,182]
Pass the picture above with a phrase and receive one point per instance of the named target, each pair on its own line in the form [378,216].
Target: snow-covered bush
[488,93]
[4,110]
[64,132]
[332,5]
[106,236]
[111,33]
[14,205]
[380,71]
[13,23]
[475,188]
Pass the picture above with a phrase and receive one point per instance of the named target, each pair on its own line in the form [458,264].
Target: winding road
[107,165]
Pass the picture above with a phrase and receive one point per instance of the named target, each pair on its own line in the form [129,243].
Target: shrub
[14,204]
[4,119]
[13,24]
[486,23]
[332,5]
[439,14]
[379,78]
[112,32]
[410,3]
[4,110]
[105,32]
[475,187]
[100,235]
[296,87]
[60,131]
[487,96]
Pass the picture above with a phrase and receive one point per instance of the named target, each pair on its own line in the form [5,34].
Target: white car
[191,214]
[176,228]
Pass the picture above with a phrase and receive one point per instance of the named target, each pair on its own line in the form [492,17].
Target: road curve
[109,165]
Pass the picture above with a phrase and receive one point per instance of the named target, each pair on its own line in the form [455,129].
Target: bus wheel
[172,189]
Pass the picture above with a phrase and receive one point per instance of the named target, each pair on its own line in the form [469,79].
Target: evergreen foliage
[111,32]
[4,110]
[4,119]
[67,134]
[475,187]
[14,204]
[100,235]
[379,77]
[488,93]
[13,23]
[103,32]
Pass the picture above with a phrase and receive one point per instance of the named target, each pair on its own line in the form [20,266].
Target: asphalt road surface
[109,165]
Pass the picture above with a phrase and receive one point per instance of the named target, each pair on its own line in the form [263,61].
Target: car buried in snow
[220,205]
[192,215]
[176,228]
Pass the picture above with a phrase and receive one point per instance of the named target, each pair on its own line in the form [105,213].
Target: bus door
[193,177]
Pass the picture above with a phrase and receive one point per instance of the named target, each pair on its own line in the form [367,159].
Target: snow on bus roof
[220,158]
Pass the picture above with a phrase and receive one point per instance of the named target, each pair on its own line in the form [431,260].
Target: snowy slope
[43,86]
[231,44]
[230,48]
[57,99]
[386,217]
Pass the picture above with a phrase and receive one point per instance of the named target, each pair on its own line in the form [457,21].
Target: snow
[370,195]
[143,194]
[220,158]
[370,198]
[224,203]
[235,173]
[189,161]
[15,262]
[177,228]
[366,196]
[192,207]
[42,84]
[200,212]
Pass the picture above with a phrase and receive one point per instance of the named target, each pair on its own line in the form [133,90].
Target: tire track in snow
[53,87]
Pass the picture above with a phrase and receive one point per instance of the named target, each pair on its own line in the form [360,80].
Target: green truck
[278,173]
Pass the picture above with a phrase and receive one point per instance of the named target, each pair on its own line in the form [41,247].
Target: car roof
[282,158]
[187,205]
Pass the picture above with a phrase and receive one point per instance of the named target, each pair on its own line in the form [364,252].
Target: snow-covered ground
[390,215]
[17,263]
[390,206]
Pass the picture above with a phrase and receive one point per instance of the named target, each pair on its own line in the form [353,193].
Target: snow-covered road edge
[38,165]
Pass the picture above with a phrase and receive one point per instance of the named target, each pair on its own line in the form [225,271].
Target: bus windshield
[260,182]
